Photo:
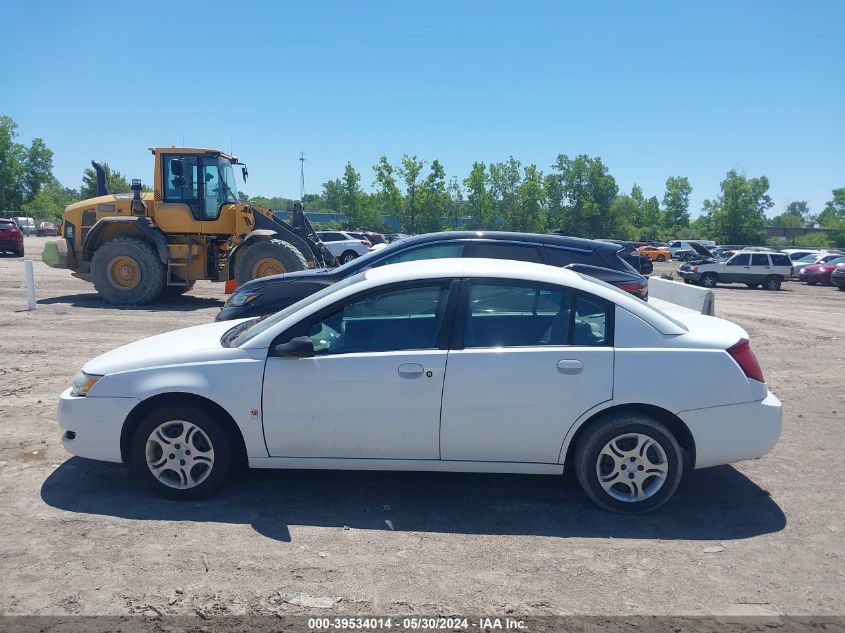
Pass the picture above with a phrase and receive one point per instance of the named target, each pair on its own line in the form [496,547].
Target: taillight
[366,243]
[747,361]
[638,290]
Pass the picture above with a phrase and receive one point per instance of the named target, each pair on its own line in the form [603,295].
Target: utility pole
[301,174]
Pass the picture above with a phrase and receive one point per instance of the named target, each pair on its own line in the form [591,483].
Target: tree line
[576,195]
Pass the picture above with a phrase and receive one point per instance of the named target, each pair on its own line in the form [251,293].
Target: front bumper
[838,280]
[93,425]
[732,433]
[688,274]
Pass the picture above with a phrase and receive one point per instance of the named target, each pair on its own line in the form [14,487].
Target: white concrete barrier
[678,293]
[30,284]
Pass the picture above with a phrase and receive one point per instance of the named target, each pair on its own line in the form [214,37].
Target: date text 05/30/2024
[415,623]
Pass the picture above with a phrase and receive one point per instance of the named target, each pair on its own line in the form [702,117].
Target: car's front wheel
[660,258]
[628,462]
[182,452]
[708,280]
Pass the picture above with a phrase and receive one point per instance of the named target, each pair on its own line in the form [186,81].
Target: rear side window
[519,252]
[563,257]
[781,260]
[759,259]
[508,314]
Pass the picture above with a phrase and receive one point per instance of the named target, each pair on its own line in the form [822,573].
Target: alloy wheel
[179,454]
[632,467]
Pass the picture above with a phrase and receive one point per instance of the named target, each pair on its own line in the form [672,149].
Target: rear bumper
[732,433]
[93,425]
[11,245]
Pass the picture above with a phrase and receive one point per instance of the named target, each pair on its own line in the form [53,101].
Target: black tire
[614,425]
[151,270]
[348,256]
[753,285]
[19,253]
[687,281]
[286,255]
[661,259]
[177,291]
[216,435]
[810,283]
[708,280]
[772,282]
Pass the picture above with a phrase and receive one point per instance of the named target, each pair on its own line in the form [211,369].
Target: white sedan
[479,365]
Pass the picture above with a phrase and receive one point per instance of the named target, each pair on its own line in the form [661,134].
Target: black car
[270,294]
[837,277]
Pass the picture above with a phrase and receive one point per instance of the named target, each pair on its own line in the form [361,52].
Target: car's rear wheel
[348,256]
[772,282]
[708,280]
[181,452]
[628,462]
[660,258]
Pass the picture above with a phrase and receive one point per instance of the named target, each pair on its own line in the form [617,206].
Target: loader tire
[128,271]
[268,257]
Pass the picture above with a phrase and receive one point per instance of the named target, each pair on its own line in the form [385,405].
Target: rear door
[760,268]
[526,361]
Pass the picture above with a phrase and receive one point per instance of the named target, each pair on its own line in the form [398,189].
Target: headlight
[82,383]
[242,298]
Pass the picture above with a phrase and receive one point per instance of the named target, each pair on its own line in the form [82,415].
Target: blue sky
[654,88]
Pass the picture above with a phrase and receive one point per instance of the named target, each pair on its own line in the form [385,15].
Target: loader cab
[194,186]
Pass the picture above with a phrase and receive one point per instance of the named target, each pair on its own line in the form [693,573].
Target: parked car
[344,245]
[269,294]
[820,273]
[629,252]
[683,249]
[797,253]
[46,229]
[394,237]
[810,260]
[25,224]
[371,236]
[11,237]
[545,371]
[751,269]
[837,277]
[655,253]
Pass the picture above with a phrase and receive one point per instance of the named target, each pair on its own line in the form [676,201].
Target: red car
[820,273]
[11,238]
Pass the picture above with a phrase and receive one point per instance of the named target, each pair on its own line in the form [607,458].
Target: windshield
[368,259]
[262,325]
[809,258]
[220,180]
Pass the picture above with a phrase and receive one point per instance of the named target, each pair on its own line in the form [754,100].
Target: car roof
[535,238]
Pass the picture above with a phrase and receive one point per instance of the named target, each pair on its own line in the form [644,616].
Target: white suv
[344,246]
[750,268]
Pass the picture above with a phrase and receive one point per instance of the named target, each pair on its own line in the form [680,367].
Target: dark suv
[591,257]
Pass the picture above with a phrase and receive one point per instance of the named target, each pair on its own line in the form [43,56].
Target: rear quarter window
[781,260]
[563,257]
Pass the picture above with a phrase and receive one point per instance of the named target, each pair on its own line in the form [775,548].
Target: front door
[373,387]
[534,359]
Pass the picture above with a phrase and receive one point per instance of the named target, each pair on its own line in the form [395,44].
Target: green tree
[798,208]
[432,192]
[12,166]
[355,203]
[38,167]
[834,210]
[738,215]
[455,203]
[530,203]
[676,202]
[51,200]
[504,183]
[333,194]
[388,197]
[479,199]
[410,169]
[114,179]
[587,191]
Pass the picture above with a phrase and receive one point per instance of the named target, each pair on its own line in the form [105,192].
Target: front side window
[508,314]
[739,260]
[434,251]
[385,321]
[204,183]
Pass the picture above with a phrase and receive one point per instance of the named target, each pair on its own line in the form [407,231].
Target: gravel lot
[83,537]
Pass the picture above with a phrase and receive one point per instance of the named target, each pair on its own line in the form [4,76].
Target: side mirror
[176,167]
[299,347]
[244,172]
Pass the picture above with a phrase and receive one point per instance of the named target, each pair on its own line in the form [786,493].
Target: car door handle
[411,370]
[568,366]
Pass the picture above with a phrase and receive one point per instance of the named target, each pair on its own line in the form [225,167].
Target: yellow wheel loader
[138,246]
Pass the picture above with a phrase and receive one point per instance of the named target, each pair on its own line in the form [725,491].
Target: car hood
[300,275]
[193,344]
[701,250]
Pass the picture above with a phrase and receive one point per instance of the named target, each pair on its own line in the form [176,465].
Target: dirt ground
[83,537]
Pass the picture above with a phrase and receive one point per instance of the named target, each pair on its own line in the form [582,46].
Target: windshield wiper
[233,332]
